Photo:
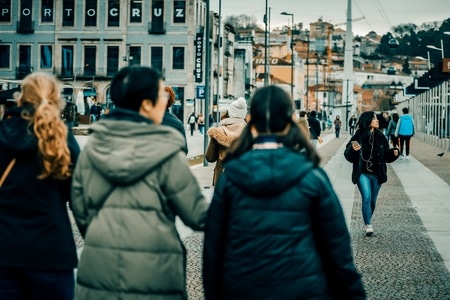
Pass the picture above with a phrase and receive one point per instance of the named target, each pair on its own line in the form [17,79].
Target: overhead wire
[383,13]
[357,6]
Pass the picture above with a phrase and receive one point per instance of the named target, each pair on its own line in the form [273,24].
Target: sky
[379,15]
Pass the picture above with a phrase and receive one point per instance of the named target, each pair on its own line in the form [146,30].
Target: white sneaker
[401,156]
[407,157]
[369,230]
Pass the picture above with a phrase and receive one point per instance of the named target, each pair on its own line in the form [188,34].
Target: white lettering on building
[179,12]
[69,11]
[136,12]
[91,12]
[26,12]
[157,12]
[48,12]
[5,11]
[114,12]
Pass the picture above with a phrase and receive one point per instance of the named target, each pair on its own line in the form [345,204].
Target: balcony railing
[25,26]
[85,72]
[156,27]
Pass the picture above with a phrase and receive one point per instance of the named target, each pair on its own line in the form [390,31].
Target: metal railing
[431,111]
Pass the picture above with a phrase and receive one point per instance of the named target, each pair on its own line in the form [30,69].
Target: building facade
[85,42]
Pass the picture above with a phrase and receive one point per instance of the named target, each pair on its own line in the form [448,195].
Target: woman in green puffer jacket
[131,181]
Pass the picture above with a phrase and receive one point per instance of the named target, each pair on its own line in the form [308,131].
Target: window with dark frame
[113,13]
[179,11]
[156,59]
[178,58]
[112,60]
[67,61]
[46,56]
[136,11]
[90,53]
[47,11]
[68,13]
[135,55]
[90,15]
[5,10]
[5,53]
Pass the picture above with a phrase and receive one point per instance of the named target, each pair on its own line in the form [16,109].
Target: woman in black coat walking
[37,252]
[369,152]
[275,228]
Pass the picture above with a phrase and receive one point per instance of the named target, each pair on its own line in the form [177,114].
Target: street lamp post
[317,84]
[292,52]
[266,59]
[307,73]
[436,48]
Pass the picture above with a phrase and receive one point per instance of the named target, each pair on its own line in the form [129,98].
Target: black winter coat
[35,231]
[275,230]
[383,153]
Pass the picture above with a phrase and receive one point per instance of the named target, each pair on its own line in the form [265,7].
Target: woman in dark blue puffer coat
[275,228]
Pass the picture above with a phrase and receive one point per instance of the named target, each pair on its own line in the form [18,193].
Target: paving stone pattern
[399,261]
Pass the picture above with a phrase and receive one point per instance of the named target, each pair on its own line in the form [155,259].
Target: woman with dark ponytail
[37,252]
[275,227]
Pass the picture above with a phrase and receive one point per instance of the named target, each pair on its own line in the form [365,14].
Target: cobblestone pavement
[399,261]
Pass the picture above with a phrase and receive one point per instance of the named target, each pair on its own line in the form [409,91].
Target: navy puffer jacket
[275,230]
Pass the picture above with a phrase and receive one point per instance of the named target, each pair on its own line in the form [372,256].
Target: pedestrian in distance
[337,126]
[352,124]
[303,122]
[404,131]
[221,137]
[131,181]
[201,123]
[314,128]
[368,151]
[37,252]
[192,120]
[170,119]
[275,228]
[390,131]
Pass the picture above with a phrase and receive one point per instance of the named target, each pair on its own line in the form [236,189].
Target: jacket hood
[229,130]
[16,135]
[266,172]
[125,150]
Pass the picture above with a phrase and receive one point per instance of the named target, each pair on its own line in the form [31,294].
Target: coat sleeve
[183,192]
[398,127]
[333,241]
[350,154]
[78,206]
[212,152]
[389,155]
[214,242]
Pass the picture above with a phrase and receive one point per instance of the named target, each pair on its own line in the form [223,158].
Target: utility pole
[348,63]
[307,74]
[207,79]
[266,62]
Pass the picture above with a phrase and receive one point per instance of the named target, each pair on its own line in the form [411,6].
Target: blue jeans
[24,284]
[369,188]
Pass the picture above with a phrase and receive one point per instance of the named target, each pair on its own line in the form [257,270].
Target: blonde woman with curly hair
[37,253]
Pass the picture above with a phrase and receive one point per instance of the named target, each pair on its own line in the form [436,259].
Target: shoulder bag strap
[7,170]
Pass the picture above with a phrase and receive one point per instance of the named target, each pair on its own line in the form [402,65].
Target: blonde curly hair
[42,101]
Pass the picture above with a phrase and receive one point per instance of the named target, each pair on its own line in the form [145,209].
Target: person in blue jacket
[404,131]
[275,228]
[37,247]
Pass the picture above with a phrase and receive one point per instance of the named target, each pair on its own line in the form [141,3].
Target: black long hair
[364,123]
[271,111]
